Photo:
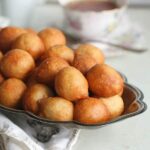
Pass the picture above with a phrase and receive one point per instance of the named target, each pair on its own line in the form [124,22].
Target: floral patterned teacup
[92,24]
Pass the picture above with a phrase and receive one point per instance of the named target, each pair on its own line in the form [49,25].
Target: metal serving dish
[134,105]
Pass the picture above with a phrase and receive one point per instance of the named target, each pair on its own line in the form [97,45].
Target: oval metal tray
[134,105]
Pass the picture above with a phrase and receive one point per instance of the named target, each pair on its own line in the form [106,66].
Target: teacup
[92,23]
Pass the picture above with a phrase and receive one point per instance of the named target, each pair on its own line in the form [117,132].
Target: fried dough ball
[1,78]
[83,63]
[48,69]
[121,93]
[61,51]
[52,37]
[33,95]
[8,35]
[31,80]
[17,63]
[31,43]
[30,30]
[134,106]
[104,81]
[56,109]
[71,84]
[115,105]
[91,111]
[1,55]
[11,91]
[47,54]
[92,51]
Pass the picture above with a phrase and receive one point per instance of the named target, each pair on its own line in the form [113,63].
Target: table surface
[134,133]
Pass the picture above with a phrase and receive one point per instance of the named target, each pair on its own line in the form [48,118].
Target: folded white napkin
[23,137]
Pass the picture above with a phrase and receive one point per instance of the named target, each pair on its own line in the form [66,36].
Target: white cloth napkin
[22,137]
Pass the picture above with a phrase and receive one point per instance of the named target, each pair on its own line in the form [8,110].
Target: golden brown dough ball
[48,69]
[71,84]
[121,93]
[1,78]
[92,51]
[56,109]
[31,80]
[31,43]
[83,63]
[17,63]
[33,95]
[104,81]
[133,107]
[115,105]
[91,111]
[8,35]
[11,92]
[61,51]
[52,37]
[30,30]
[1,55]
[47,54]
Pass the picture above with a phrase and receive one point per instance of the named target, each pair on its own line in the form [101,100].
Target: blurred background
[120,25]
[41,13]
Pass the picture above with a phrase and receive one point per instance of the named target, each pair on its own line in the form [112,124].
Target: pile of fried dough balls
[41,74]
